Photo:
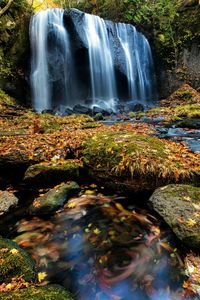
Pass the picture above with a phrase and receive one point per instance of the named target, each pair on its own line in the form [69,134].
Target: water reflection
[100,250]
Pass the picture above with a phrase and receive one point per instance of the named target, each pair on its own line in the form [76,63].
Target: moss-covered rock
[54,199]
[185,94]
[189,123]
[179,205]
[15,262]
[138,162]
[53,171]
[49,292]
[184,103]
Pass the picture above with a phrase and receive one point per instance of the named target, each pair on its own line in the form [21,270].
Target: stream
[103,247]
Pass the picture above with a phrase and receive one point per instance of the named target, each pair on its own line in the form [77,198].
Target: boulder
[134,107]
[81,109]
[53,291]
[179,206]
[7,201]
[126,160]
[15,262]
[54,198]
[100,110]
[53,172]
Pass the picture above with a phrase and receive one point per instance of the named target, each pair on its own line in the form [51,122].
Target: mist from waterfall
[56,68]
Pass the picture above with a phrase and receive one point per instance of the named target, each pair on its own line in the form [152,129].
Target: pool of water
[101,249]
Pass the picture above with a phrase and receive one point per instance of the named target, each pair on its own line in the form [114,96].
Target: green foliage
[13,39]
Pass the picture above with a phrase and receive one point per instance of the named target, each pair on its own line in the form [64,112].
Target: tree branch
[5,8]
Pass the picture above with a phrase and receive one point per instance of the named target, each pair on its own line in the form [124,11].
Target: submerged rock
[179,205]
[126,160]
[53,292]
[7,201]
[15,262]
[54,199]
[57,171]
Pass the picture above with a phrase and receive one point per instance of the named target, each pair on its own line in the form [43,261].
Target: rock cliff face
[74,20]
[187,38]
[187,71]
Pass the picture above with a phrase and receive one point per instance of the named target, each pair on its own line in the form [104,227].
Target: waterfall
[102,74]
[78,57]
[39,66]
[138,63]
[52,70]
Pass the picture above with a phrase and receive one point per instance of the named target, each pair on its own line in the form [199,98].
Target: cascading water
[51,82]
[122,32]
[39,73]
[102,74]
[138,62]
[78,57]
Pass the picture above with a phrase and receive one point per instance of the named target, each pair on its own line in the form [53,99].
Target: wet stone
[8,201]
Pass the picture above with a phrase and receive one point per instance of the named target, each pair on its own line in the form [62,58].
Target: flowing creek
[102,247]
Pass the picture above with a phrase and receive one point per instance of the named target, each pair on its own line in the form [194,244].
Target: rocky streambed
[106,212]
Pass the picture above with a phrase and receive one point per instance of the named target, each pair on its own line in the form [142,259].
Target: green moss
[140,159]
[189,123]
[173,113]
[14,263]
[187,94]
[90,125]
[175,118]
[132,114]
[189,110]
[54,199]
[177,202]
[49,292]
[50,172]
[5,99]
[138,115]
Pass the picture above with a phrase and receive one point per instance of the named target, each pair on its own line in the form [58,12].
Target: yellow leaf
[187,198]
[71,205]
[196,206]
[190,222]
[14,251]
[96,231]
[89,192]
[9,286]
[42,276]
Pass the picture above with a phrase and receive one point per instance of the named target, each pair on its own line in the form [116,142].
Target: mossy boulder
[53,171]
[185,94]
[179,205]
[138,162]
[49,292]
[15,262]
[7,201]
[189,123]
[54,198]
